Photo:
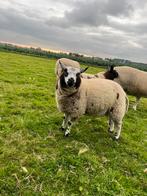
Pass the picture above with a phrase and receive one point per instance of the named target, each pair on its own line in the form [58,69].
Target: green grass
[35,158]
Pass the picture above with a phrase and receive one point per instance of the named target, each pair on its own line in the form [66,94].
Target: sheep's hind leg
[136,103]
[117,126]
[111,125]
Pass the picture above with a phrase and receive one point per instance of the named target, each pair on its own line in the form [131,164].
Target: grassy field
[35,158]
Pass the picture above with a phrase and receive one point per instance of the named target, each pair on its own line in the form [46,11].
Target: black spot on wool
[117,95]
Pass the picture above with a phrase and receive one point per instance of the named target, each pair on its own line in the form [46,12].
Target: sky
[103,28]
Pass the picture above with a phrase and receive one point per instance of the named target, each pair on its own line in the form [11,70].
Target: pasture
[35,157]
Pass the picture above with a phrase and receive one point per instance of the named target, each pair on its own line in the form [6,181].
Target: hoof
[116,138]
[66,134]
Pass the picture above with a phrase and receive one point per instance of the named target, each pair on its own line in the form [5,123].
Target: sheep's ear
[62,65]
[110,68]
[83,70]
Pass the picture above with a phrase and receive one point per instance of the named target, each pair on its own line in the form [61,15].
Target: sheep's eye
[78,74]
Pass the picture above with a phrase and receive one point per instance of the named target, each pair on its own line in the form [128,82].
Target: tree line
[94,61]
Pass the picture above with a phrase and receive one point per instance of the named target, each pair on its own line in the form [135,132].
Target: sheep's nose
[70,82]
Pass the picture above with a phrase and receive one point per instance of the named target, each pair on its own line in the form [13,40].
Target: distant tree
[97,61]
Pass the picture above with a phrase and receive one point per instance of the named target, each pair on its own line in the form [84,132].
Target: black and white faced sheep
[133,81]
[76,96]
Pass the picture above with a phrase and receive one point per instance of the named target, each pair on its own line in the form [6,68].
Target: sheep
[131,79]
[76,96]
[67,63]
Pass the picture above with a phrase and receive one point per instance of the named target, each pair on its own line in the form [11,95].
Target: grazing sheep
[133,81]
[67,63]
[77,96]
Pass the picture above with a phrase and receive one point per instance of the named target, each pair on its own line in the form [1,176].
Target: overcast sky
[104,28]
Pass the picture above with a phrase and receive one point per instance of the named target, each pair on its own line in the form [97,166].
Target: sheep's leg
[118,126]
[68,129]
[136,103]
[69,125]
[64,123]
[111,125]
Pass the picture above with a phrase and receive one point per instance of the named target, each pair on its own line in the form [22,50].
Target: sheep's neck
[66,92]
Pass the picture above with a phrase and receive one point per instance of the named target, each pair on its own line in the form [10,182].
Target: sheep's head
[111,74]
[70,77]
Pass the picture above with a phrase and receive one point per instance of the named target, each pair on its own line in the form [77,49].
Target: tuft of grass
[35,158]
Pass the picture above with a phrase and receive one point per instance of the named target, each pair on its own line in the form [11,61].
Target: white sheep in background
[133,81]
[76,96]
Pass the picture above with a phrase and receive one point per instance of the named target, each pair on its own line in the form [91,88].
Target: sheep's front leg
[64,123]
[68,128]
[136,103]
[67,124]
[70,122]
[118,126]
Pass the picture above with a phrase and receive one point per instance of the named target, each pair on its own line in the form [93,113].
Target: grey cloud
[84,13]
[87,13]
[37,30]
[91,13]
[72,32]
[118,7]
[134,29]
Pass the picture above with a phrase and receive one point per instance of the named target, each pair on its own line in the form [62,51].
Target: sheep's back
[87,76]
[91,76]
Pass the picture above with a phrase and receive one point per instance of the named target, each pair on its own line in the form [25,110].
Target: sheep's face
[71,77]
[111,74]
